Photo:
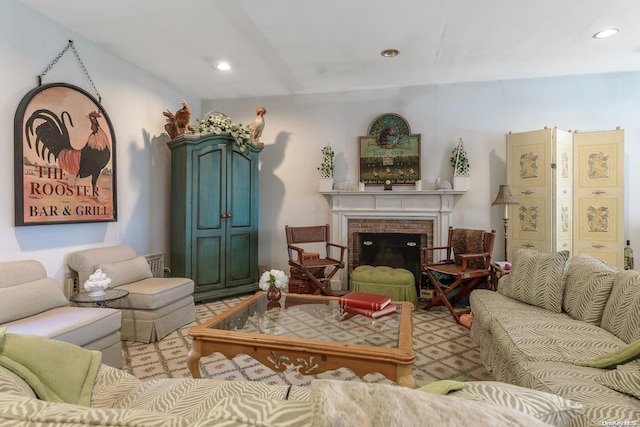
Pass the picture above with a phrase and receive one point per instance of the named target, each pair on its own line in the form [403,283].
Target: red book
[390,308]
[366,300]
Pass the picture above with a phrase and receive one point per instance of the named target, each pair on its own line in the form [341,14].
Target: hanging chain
[84,69]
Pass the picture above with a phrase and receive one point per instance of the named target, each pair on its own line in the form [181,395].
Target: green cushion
[396,283]
[57,371]
[442,387]
[382,274]
[618,357]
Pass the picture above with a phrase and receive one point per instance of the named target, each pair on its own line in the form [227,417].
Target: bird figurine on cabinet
[257,126]
[177,124]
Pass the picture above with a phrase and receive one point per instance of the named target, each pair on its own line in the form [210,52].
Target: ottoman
[397,283]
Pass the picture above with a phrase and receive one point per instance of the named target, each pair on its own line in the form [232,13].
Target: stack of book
[372,305]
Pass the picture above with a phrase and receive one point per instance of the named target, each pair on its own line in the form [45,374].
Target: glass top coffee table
[311,334]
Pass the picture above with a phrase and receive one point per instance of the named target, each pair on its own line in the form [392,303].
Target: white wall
[297,127]
[134,102]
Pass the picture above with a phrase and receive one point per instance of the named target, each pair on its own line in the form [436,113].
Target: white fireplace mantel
[434,205]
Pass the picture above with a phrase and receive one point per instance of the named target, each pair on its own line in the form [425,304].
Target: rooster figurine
[52,139]
[257,126]
[178,124]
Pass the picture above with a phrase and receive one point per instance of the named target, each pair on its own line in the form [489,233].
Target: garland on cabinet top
[218,123]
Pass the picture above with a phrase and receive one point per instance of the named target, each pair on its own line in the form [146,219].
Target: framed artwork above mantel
[389,153]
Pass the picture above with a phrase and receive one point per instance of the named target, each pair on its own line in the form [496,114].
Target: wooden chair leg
[320,286]
[442,297]
[465,289]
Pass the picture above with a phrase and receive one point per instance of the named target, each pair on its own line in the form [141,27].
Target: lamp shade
[505,197]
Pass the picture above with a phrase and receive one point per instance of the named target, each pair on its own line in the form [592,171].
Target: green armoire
[214,214]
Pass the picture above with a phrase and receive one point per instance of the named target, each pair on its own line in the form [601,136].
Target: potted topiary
[460,163]
[326,169]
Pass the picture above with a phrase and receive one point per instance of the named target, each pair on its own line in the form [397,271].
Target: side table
[99,301]
[496,273]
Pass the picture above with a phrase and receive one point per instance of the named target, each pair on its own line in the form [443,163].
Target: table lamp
[505,198]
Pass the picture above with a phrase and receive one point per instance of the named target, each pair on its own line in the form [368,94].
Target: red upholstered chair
[466,265]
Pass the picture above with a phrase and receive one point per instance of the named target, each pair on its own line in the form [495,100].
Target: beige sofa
[552,312]
[155,306]
[32,303]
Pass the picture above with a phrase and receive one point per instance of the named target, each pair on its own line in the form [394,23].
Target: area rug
[443,349]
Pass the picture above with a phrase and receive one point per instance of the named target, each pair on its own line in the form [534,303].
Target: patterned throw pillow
[547,407]
[465,241]
[621,315]
[537,278]
[625,379]
[587,288]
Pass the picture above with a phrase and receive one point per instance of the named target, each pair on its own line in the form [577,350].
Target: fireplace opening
[397,250]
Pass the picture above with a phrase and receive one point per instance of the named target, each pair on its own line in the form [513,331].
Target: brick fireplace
[418,233]
[425,213]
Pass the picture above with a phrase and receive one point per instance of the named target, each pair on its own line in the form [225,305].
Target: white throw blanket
[346,403]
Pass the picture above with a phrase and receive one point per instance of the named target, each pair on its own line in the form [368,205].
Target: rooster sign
[65,158]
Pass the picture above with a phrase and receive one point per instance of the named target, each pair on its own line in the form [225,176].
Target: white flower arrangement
[277,277]
[218,123]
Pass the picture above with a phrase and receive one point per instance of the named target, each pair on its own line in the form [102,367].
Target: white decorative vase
[461,183]
[97,283]
[325,184]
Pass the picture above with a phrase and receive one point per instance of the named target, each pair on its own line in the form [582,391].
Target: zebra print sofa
[552,312]
[119,399]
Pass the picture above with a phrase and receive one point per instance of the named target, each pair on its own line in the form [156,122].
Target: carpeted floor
[443,349]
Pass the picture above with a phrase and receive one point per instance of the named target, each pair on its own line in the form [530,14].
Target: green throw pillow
[618,357]
[442,387]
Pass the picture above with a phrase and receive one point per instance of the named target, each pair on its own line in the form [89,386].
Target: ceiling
[285,47]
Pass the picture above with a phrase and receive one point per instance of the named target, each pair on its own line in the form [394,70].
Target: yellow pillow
[618,357]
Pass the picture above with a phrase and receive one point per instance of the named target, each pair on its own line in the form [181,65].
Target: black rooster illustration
[52,139]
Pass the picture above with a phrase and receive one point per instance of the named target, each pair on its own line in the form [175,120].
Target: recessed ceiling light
[605,33]
[390,53]
[223,66]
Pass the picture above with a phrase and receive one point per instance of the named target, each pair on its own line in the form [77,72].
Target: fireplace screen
[397,250]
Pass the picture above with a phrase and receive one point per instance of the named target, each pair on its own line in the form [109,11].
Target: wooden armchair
[467,264]
[333,256]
